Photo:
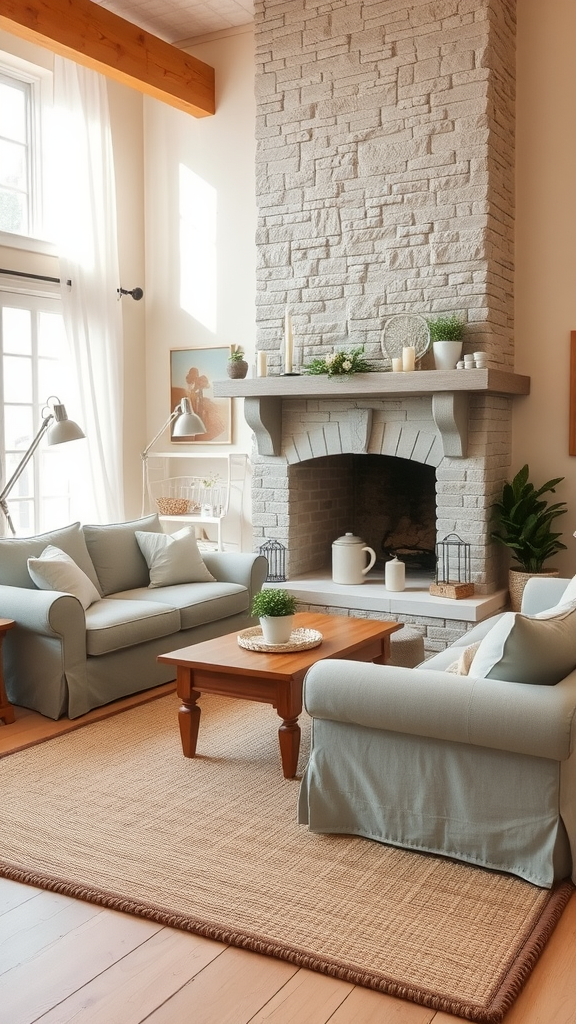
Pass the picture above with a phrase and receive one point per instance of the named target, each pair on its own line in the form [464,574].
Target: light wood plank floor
[62,960]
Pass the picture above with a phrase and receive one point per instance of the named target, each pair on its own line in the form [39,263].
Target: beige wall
[545,285]
[220,150]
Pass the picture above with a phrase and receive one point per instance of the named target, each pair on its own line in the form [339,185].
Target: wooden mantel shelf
[449,391]
[376,385]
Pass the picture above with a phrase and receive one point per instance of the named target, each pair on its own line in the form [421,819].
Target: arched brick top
[404,440]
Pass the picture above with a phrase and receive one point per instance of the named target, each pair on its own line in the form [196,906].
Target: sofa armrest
[45,653]
[526,719]
[542,592]
[246,568]
[46,612]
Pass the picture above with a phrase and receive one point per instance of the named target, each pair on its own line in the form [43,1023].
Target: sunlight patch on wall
[198,213]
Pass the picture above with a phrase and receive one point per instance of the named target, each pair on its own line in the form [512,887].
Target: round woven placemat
[300,640]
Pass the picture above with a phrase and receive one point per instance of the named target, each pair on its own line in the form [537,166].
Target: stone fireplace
[385,184]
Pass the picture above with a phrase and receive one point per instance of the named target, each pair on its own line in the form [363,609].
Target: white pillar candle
[408,357]
[397,364]
[261,364]
[288,342]
[394,575]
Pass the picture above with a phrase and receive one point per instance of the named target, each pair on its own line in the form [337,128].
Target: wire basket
[190,495]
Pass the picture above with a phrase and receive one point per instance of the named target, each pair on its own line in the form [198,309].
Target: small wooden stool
[6,709]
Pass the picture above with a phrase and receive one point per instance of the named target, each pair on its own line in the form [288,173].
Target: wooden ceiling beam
[99,39]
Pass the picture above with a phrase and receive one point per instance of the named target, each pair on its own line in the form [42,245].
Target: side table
[6,709]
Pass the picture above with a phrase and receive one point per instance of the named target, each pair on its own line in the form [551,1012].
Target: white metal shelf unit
[205,495]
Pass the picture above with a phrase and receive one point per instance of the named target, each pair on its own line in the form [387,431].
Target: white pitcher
[349,560]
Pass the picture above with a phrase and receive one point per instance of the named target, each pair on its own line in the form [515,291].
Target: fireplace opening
[395,509]
[387,501]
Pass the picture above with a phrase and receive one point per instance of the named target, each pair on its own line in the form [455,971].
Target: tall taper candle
[288,342]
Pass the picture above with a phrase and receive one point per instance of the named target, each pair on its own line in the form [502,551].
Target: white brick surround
[385,156]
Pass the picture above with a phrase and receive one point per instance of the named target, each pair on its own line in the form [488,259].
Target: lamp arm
[144,454]
[22,465]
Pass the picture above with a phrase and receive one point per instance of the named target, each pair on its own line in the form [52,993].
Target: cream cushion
[538,649]
[55,570]
[173,558]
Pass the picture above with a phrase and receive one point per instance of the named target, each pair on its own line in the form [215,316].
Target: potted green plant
[275,609]
[524,525]
[446,332]
[237,366]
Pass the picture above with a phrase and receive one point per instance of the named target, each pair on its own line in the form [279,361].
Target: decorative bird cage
[275,552]
[452,568]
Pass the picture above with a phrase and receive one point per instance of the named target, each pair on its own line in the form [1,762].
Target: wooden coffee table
[221,666]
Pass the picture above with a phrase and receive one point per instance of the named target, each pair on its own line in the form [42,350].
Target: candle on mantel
[408,357]
[288,342]
[261,364]
[397,364]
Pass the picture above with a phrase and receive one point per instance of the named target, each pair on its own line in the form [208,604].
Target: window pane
[17,330]
[13,212]
[18,432]
[52,336]
[13,111]
[24,485]
[17,379]
[13,170]
[54,512]
[22,515]
[50,380]
[54,471]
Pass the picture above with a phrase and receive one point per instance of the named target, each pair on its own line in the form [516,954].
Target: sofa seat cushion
[113,624]
[197,603]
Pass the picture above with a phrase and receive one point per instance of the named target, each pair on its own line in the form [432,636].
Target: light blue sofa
[60,659]
[479,769]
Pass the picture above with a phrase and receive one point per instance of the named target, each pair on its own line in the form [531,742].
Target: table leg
[289,738]
[189,713]
[384,657]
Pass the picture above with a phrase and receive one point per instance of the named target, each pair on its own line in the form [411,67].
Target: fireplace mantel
[448,389]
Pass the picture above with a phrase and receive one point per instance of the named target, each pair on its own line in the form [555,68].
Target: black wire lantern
[453,570]
[275,553]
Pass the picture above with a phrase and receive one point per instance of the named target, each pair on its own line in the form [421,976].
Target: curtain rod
[33,277]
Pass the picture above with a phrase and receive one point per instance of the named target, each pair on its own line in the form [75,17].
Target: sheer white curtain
[83,214]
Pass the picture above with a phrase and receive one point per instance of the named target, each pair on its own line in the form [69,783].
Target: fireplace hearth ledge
[317,588]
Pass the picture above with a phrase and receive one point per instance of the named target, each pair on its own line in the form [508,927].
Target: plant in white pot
[446,332]
[524,520]
[275,609]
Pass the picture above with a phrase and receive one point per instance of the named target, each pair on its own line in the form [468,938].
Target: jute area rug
[114,814]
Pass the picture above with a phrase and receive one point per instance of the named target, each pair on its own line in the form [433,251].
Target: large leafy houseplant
[524,519]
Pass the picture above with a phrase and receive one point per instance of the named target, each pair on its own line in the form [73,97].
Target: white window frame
[44,299]
[40,82]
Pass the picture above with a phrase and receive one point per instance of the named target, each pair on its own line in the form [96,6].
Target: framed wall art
[192,373]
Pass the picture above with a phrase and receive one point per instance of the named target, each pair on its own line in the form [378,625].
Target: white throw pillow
[537,649]
[461,667]
[55,570]
[173,558]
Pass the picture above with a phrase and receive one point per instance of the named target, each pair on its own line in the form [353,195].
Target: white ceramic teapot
[349,560]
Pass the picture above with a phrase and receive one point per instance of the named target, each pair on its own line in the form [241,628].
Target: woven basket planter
[517,580]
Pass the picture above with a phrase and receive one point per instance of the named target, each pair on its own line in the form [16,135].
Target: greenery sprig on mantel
[342,363]
[236,353]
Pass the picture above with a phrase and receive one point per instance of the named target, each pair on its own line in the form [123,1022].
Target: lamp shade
[188,423]
[63,429]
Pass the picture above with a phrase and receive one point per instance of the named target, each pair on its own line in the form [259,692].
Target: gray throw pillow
[537,649]
[173,558]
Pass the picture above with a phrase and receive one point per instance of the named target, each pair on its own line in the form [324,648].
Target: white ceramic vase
[276,629]
[446,354]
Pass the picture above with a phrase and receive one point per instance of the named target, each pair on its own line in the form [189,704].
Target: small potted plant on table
[275,609]
[524,522]
[446,337]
